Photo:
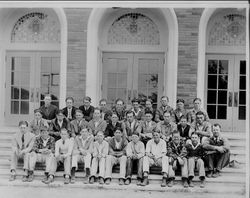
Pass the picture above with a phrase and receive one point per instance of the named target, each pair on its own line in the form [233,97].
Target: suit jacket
[49,113]
[87,114]
[55,128]
[113,148]
[110,129]
[184,133]
[100,127]
[73,111]
[137,128]
[160,111]
[38,144]
[35,127]
[78,145]
[17,144]
[76,128]
[178,114]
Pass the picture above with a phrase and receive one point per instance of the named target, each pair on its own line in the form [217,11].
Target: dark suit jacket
[55,129]
[88,115]
[49,113]
[73,111]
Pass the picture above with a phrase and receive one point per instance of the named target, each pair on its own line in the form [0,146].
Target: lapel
[18,139]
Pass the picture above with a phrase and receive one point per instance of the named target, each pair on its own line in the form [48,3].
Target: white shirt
[158,150]
[60,123]
[69,113]
[65,148]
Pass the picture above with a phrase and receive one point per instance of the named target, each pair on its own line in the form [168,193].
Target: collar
[194,147]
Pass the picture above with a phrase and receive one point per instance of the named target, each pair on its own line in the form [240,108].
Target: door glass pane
[222,112]
[223,66]
[212,66]
[25,93]
[122,80]
[24,107]
[211,97]
[242,82]
[242,98]
[14,107]
[242,112]
[242,67]
[212,81]
[25,78]
[222,97]
[223,82]
[211,110]
[14,93]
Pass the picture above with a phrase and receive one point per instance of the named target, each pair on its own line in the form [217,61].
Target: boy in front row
[63,152]
[22,144]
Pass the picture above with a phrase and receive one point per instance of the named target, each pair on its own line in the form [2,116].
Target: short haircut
[196,99]
[180,100]
[128,112]
[165,97]
[119,99]
[69,98]
[114,113]
[136,133]
[194,133]
[98,109]
[135,100]
[78,111]
[118,129]
[100,132]
[158,132]
[87,98]
[175,132]
[60,111]
[183,117]
[217,124]
[38,111]
[149,112]
[200,113]
[22,122]
[84,129]
[48,95]
[103,100]
[64,129]
[149,100]
[166,111]
[44,128]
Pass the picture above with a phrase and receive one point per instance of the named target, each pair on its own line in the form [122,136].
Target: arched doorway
[225,69]
[126,52]
[32,54]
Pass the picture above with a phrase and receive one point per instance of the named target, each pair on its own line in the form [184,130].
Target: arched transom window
[36,27]
[133,29]
[228,30]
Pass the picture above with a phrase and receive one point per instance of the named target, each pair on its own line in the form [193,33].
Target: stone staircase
[233,179]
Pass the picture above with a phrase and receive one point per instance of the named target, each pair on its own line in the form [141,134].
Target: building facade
[120,52]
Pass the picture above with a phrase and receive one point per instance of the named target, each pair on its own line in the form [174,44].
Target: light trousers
[161,162]
[111,161]
[98,163]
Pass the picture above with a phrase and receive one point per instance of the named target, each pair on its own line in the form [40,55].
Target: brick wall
[77,19]
[188,25]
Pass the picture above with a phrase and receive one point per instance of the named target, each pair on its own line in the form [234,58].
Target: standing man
[218,152]
[135,153]
[137,110]
[112,126]
[100,152]
[184,128]
[117,155]
[132,125]
[22,144]
[119,109]
[43,151]
[156,151]
[37,123]
[195,153]
[149,107]
[69,111]
[164,107]
[48,110]
[87,109]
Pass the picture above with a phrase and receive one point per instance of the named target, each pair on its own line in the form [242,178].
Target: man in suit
[120,109]
[164,107]
[149,107]
[97,124]
[60,122]
[78,124]
[22,143]
[218,152]
[106,112]
[82,153]
[132,125]
[87,109]
[156,150]
[112,126]
[100,152]
[180,110]
[195,154]
[43,151]
[202,128]
[38,122]
[117,155]
[139,113]
[48,110]
[197,107]
[69,110]
[148,127]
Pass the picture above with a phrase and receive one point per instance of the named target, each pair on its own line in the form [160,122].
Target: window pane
[222,97]
[242,98]
[25,64]
[212,66]
[142,81]
[223,81]
[242,112]
[212,82]
[211,97]
[211,110]
[121,80]
[14,107]
[111,65]
[153,66]
[222,112]
[122,65]
[15,78]
[45,64]
[25,78]
[242,82]
[13,63]
[223,66]
[55,65]
[24,93]
[111,80]
[243,67]
[24,107]
[143,66]
[14,93]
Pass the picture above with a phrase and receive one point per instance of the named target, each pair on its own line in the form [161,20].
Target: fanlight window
[36,27]
[134,29]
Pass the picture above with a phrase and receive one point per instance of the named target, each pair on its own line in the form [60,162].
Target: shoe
[101,180]
[31,177]
[12,177]
[202,185]
[191,184]
[138,183]
[164,182]
[108,181]
[25,178]
[121,181]
[86,178]
[46,176]
[210,174]
[171,183]
[145,181]
[216,174]
[72,179]
[91,179]
[127,181]
[49,180]
[66,180]
[185,183]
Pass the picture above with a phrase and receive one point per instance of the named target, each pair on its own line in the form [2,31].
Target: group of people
[136,138]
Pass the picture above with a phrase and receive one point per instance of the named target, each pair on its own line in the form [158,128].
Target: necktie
[63,141]
[23,141]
